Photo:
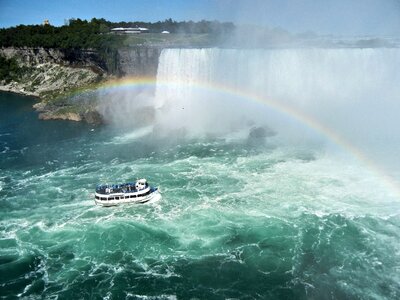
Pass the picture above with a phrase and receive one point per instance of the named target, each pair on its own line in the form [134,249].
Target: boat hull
[153,196]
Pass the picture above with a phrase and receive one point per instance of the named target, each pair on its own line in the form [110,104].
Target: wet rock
[261,132]
[93,117]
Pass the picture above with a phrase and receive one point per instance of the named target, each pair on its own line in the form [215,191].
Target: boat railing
[126,196]
[117,188]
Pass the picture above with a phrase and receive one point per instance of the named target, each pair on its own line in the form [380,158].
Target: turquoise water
[236,220]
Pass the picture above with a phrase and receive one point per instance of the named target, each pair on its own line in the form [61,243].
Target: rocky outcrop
[49,79]
[50,111]
[60,116]
[52,74]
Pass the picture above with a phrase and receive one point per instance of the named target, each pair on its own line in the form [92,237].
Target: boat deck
[117,188]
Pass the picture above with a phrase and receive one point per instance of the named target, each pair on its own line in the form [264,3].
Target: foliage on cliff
[10,70]
[95,33]
[78,34]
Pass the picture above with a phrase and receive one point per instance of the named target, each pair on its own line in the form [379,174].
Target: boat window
[97,197]
[111,198]
[116,198]
[103,198]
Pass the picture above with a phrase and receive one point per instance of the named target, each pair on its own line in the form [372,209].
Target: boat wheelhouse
[135,192]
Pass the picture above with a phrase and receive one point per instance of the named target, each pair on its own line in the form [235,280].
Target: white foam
[133,135]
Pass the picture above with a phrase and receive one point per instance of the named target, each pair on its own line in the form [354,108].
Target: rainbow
[280,107]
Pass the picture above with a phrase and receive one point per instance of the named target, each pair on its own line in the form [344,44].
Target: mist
[331,17]
[333,63]
[127,107]
[219,93]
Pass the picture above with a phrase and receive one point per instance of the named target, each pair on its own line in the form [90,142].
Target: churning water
[241,217]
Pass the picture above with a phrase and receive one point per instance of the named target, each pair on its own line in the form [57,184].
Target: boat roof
[142,180]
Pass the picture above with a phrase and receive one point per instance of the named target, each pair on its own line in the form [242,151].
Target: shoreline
[51,76]
[6,89]
[45,112]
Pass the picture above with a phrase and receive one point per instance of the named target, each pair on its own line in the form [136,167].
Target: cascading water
[353,92]
[296,75]
[278,220]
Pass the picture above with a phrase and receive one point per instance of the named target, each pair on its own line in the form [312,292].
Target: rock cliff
[80,58]
[52,74]
[139,61]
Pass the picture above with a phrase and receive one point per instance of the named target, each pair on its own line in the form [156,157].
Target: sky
[337,17]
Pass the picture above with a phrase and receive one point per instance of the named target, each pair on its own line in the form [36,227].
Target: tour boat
[138,192]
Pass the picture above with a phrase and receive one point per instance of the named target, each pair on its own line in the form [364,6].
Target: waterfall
[342,88]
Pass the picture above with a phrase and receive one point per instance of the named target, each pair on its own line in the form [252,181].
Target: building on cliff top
[129,30]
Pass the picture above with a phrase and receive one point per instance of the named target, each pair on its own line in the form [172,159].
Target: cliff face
[31,57]
[139,61]
[51,74]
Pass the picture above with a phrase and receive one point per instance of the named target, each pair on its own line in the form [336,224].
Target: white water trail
[133,135]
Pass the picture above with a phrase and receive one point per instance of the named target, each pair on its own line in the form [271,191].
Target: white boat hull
[154,196]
